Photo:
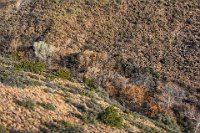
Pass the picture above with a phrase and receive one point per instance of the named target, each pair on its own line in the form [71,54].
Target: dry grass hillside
[44,102]
[144,53]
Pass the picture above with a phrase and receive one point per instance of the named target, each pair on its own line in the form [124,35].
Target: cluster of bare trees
[192,113]
[171,94]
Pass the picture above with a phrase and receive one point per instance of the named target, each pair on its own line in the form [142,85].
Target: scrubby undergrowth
[45,104]
[145,54]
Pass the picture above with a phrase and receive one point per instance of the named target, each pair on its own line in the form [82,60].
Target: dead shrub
[134,93]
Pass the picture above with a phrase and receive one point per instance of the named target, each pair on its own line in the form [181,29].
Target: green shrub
[147,129]
[64,127]
[71,128]
[14,79]
[11,79]
[90,118]
[166,123]
[47,106]
[14,55]
[65,123]
[50,76]
[89,82]
[63,73]
[31,66]
[26,103]
[164,119]
[89,93]
[94,105]
[111,116]
[3,129]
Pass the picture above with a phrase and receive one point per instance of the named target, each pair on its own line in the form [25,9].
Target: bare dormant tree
[171,94]
[119,81]
[193,114]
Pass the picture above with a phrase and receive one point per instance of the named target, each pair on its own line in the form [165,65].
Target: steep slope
[151,38]
[145,54]
[32,103]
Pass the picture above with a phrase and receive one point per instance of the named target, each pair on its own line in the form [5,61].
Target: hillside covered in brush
[141,56]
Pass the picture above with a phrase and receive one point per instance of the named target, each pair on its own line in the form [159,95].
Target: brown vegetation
[144,53]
